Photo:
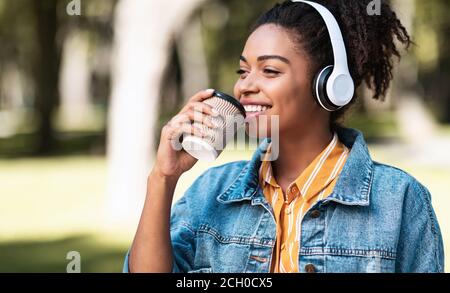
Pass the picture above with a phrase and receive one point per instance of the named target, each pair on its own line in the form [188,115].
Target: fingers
[202,95]
[194,111]
[199,97]
[179,124]
[193,116]
[185,128]
[202,118]
[203,108]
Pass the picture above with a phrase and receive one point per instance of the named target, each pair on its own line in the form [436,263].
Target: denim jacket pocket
[361,261]
[202,270]
[341,260]
[361,264]
[229,253]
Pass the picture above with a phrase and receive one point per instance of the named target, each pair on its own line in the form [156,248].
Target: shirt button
[310,268]
[288,211]
[283,247]
[315,214]
[294,189]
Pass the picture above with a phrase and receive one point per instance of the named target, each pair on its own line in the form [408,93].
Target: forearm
[152,249]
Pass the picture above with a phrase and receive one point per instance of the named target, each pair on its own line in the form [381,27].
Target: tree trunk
[143,33]
[46,70]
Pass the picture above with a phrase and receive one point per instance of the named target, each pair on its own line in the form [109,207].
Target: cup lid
[232,100]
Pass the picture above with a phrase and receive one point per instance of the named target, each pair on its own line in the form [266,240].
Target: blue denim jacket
[378,219]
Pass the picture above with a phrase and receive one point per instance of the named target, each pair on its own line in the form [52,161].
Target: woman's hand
[170,161]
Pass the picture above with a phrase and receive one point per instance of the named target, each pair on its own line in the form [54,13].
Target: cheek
[236,92]
[295,109]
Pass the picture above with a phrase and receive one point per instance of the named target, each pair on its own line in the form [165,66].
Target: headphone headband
[337,41]
[339,86]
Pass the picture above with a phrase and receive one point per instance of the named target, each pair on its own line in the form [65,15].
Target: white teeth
[255,108]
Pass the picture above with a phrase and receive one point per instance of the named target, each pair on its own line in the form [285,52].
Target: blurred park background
[86,85]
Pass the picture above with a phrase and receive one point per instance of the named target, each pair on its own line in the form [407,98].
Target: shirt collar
[317,175]
[353,185]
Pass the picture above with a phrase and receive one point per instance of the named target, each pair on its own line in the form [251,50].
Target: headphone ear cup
[320,89]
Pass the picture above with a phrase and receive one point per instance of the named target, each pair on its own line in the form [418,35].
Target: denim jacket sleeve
[183,222]
[182,235]
[182,241]
[420,247]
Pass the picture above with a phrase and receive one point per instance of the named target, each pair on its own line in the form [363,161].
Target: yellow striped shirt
[316,182]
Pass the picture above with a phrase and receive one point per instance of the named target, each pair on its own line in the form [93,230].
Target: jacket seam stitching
[385,254]
[183,225]
[433,226]
[224,240]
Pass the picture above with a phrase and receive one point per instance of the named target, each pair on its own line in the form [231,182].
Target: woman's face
[274,74]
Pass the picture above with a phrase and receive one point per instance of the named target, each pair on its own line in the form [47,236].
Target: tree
[141,50]
[46,70]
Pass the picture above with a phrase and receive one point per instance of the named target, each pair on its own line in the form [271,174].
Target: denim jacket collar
[352,188]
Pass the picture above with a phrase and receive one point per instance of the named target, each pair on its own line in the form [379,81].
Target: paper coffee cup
[231,117]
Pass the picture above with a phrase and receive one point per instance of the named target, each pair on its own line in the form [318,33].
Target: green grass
[44,196]
[50,256]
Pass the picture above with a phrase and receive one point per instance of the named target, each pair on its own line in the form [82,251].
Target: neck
[297,151]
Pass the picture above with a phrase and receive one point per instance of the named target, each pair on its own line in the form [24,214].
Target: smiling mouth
[250,109]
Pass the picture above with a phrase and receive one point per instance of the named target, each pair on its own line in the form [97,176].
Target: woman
[323,205]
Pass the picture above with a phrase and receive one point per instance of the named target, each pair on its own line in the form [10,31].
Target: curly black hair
[370,40]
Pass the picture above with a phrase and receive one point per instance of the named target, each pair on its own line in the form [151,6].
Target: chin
[257,130]
[262,126]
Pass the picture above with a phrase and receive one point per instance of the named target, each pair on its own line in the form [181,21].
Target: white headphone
[333,86]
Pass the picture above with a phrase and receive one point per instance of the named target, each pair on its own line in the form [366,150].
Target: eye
[271,71]
[241,73]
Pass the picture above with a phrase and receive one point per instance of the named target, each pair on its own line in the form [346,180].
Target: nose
[247,86]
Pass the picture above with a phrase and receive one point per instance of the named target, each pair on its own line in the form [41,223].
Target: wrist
[158,176]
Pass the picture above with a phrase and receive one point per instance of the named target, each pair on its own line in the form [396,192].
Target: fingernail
[210,91]
[200,131]
[210,123]
[215,112]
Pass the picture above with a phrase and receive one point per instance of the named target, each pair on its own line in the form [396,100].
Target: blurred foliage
[377,127]
[432,26]
[32,35]
[66,143]
[227,25]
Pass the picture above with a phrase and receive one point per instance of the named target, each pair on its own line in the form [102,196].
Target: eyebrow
[267,57]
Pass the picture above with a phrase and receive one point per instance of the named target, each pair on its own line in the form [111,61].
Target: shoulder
[214,181]
[199,201]
[400,187]
[390,175]
[408,200]
[223,172]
